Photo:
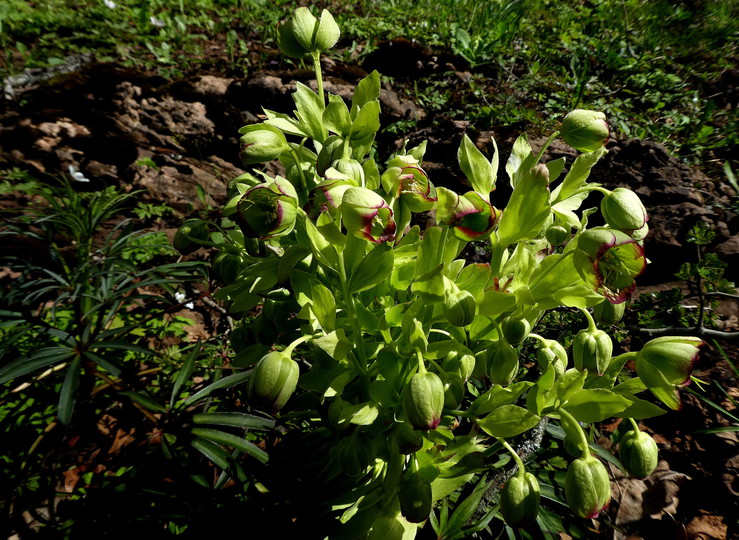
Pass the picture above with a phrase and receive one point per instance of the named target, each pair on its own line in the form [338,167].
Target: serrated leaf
[475,166]
[310,112]
[374,268]
[367,90]
[336,116]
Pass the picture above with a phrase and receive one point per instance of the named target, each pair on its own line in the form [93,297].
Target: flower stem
[516,458]
[316,56]
[303,182]
[583,438]
[352,312]
[546,145]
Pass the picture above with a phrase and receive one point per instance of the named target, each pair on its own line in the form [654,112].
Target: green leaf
[184,374]
[225,382]
[235,419]
[212,452]
[363,130]
[527,211]
[595,405]
[221,437]
[323,250]
[366,91]
[520,160]
[577,177]
[145,401]
[284,123]
[508,421]
[498,396]
[640,409]
[361,414]
[36,360]
[310,112]
[384,394]
[323,306]
[336,116]
[373,269]
[475,166]
[68,393]
[543,394]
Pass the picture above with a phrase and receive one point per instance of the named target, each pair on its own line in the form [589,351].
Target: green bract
[273,381]
[623,210]
[664,364]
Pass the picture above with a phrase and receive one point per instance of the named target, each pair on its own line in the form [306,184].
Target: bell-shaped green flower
[351,168]
[515,330]
[273,381]
[409,440]
[191,235]
[261,142]
[469,215]
[268,210]
[665,363]
[423,400]
[552,353]
[226,267]
[459,363]
[303,33]
[623,210]
[501,360]
[638,453]
[608,261]
[592,350]
[415,498]
[519,500]
[587,487]
[327,195]
[406,179]
[367,215]
[584,130]
[460,307]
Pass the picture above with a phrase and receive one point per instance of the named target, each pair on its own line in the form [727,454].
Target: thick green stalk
[352,312]
[316,56]
[583,438]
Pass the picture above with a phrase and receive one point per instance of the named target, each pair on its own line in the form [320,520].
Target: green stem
[316,56]
[592,327]
[352,312]
[516,458]
[583,438]
[634,425]
[496,260]
[289,349]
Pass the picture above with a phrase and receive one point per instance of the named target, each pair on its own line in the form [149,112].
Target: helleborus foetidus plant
[404,362]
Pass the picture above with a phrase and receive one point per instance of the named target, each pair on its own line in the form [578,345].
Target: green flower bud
[608,313]
[415,498]
[460,364]
[460,307]
[273,381]
[423,400]
[557,235]
[261,142]
[335,410]
[552,353]
[470,216]
[587,487]
[592,350]
[268,210]
[406,179]
[352,168]
[409,440]
[190,236]
[638,453]
[226,267]
[519,500]
[367,215]
[502,362]
[623,210]
[584,130]
[515,330]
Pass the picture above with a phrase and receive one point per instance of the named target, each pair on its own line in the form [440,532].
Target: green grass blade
[235,419]
[68,394]
[221,437]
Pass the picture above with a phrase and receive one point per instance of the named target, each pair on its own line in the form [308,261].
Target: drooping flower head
[608,260]
[665,363]
[406,179]
[268,210]
[469,215]
[585,130]
[367,215]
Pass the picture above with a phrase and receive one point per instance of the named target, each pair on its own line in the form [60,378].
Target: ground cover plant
[98,346]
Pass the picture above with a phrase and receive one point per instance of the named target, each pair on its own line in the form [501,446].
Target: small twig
[678,331]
